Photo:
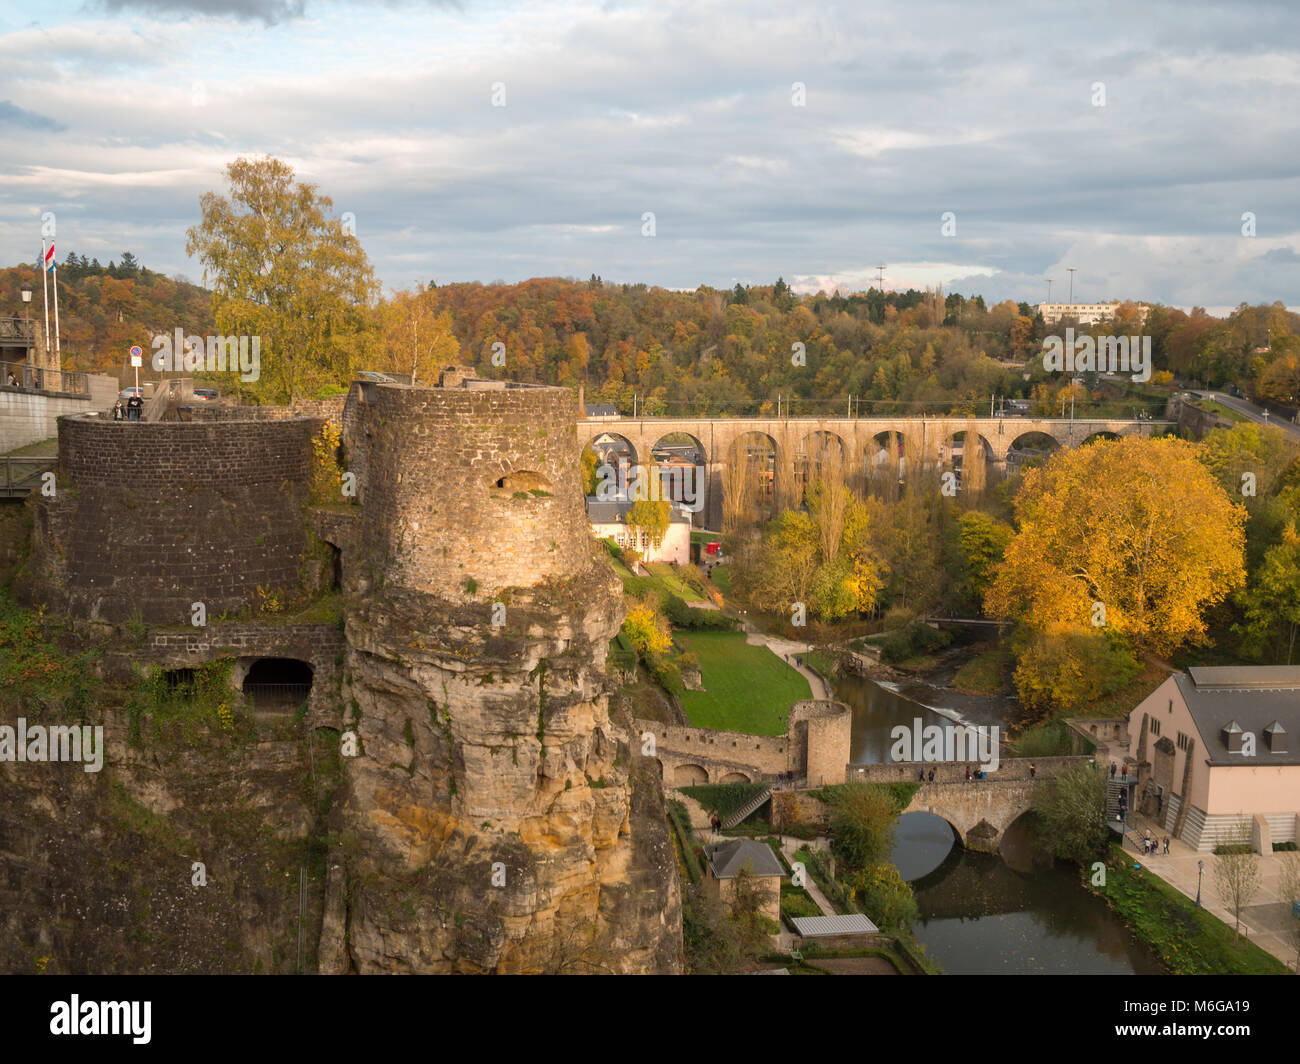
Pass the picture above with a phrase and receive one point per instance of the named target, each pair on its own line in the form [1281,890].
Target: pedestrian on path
[920,775]
[931,775]
[968,773]
[1124,771]
[1112,770]
[1166,845]
[1032,770]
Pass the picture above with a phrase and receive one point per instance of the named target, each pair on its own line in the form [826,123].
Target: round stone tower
[468,491]
[154,516]
[499,819]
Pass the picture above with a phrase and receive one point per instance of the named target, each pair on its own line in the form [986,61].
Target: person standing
[1112,770]
[118,411]
[133,407]
[1123,772]
[1166,845]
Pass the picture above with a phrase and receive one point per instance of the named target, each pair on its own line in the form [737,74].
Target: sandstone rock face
[495,818]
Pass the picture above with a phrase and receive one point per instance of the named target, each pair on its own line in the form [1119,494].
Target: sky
[815,141]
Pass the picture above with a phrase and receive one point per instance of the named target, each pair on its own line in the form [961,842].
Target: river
[1017,913]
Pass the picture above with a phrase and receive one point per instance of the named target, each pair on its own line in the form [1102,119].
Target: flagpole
[58,353]
[45,292]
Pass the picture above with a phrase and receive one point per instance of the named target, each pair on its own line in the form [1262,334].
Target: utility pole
[1072,270]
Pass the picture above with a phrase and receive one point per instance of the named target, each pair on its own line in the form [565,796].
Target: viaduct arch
[921,440]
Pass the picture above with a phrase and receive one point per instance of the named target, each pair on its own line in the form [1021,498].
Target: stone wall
[815,747]
[479,491]
[828,728]
[158,515]
[496,816]
[29,417]
[319,645]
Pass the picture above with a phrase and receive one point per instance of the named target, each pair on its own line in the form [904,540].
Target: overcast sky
[118,114]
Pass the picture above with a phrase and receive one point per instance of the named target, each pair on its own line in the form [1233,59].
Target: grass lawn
[670,580]
[1221,410]
[36,450]
[982,675]
[1190,941]
[747,688]
[721,575]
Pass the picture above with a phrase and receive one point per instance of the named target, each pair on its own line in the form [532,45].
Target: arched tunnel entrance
[277,684]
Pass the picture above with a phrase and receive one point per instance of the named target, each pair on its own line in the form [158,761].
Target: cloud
[13,115]
[682,108]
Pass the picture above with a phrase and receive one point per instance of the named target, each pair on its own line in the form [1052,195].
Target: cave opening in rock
[278,683]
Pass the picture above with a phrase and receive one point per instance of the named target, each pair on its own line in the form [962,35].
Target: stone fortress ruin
[494,816]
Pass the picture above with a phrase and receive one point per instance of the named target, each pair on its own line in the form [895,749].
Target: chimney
[582,405]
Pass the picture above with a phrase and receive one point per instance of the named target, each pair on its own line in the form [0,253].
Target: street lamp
[1200,867]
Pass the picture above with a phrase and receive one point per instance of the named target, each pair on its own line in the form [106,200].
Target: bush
[683,616]
[723,798]
[917,638]
[666,674]
[881,892]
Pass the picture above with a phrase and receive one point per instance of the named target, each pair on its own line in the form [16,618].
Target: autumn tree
[1071,809]
[416,337]
[1272,599]
[651,517]
[1129,534]
[283,268]
[1236,872]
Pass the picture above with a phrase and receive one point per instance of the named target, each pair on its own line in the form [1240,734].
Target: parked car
[370,375]
[205,393]
[126,393]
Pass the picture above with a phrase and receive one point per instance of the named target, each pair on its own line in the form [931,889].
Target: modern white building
[609,521]
[1086,313]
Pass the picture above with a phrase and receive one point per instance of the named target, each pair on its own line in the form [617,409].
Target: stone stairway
[1113,789]
[734,818]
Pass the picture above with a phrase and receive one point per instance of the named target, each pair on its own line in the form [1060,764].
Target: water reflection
[983,914]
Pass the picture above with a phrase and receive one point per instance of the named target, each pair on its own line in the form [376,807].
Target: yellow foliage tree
[647,629]
[1138,527]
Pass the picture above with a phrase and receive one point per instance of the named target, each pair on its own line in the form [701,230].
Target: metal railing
[24,377]
[277,695]
[21,476]
[20,329]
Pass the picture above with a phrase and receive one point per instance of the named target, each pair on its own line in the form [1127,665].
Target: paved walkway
[1266,921]
[790,846]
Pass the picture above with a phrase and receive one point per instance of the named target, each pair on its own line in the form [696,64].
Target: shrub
[683,616]
[666,674]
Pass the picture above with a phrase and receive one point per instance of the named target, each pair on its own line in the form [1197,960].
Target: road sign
[137,357]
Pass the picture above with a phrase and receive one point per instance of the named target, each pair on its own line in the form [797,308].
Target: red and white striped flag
[49,257]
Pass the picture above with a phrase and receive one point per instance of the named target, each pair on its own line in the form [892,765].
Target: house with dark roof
[608,520]
[1216,754]
[727,859]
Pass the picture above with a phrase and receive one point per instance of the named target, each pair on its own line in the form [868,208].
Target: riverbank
[1188,940]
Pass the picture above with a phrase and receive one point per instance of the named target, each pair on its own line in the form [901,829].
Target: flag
[49,258]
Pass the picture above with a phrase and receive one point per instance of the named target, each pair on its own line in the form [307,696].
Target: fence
[20,476]
[28,378]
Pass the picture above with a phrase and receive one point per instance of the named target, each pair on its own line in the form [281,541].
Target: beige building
[1215,751]
[726,859]
[609,521]
[1087,313]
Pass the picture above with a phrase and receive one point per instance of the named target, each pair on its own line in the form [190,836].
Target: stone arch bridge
[979,811]
[860,440]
